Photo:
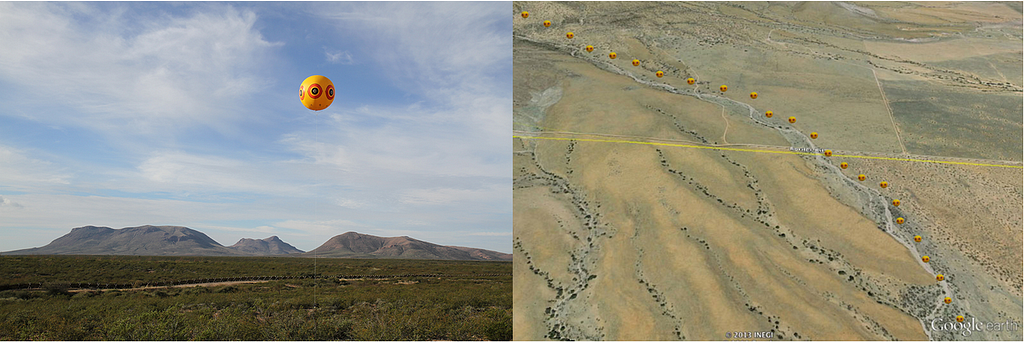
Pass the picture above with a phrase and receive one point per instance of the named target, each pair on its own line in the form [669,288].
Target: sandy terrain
[646,242]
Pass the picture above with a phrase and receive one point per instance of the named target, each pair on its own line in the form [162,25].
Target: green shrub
[500,326]
[57,290]
[226,289]
[433,309]
[84,294]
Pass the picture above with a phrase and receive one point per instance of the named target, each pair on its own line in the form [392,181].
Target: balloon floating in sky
[316,92]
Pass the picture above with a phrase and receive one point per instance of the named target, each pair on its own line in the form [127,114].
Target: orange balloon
[316,92]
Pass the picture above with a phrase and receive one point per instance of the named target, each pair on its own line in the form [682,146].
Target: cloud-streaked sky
[127,114]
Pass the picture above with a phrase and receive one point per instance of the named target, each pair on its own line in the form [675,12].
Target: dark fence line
[103,285]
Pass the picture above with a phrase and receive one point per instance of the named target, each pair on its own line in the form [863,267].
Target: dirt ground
[205,284]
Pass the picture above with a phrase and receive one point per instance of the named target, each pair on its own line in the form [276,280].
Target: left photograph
[255,171]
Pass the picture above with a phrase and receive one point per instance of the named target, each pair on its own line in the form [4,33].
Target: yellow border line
[764,151]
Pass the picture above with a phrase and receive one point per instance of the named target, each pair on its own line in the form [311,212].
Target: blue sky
[127,114]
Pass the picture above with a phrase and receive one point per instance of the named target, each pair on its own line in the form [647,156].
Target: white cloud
[259,229]
[6,202]
[408,140]
[182,172]
[322,229]
[349,203]
[19,172]
[319,151]
[442,196]
[423,43]
[492,234]
[464,64]
[130,75]
[338,57]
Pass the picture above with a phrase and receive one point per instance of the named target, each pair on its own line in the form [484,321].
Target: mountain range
[151,240]
[357,245]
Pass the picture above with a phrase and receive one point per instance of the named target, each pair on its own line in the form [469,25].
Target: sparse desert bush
[390,309]
[57,290]
[500,326]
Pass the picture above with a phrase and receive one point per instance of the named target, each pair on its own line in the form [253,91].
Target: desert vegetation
[468,301]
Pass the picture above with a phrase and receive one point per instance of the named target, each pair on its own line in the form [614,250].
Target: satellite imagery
[767,171]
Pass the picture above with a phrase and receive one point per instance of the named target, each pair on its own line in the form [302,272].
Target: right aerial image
[768,171]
